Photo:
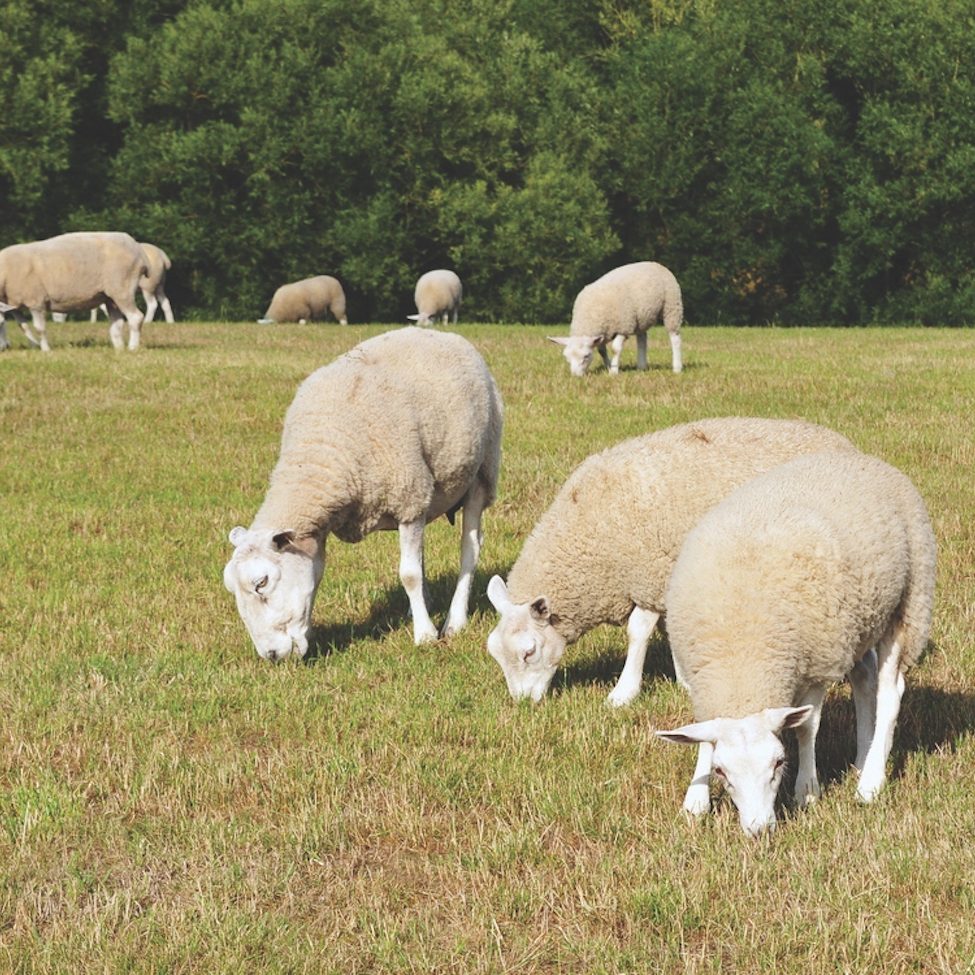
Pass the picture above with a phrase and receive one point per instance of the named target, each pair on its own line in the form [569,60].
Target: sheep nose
[272,655]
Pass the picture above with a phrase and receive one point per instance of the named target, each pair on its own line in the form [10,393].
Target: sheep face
[274,577]
[748,759]
[578,351]
[525,643]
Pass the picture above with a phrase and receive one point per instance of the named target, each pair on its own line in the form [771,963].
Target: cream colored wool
[788,582]
[399,428]
[438,294]
[75,272]
[609,540]
[308,300]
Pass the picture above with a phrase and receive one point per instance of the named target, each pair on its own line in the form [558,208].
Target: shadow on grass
[604,669]
[391,611]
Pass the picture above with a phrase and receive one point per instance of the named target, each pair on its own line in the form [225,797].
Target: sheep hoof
[620,697]
[425,635]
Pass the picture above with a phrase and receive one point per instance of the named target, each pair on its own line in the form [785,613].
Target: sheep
[625,301]
[307,300]
[437,293]
[400,430]
[822,567]
[74,272]
[152,287]
[644,495]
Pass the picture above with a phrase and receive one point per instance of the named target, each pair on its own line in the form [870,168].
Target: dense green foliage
[794,162]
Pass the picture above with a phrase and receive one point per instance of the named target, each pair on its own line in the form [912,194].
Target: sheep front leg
[641,350]
[4,341]
[697,801]
[890,688]
[639,628]
[807,780]
[470,550]
[863,680]
[617,346]
[40,326]
[411,575]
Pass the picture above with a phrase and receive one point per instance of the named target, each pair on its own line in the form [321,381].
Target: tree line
[792,162]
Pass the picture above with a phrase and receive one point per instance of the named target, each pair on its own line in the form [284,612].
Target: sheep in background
[438,293]
[603,551]
[153,287]
[624,301]
[307,300]
[403,428]
[787,585]
[75,272]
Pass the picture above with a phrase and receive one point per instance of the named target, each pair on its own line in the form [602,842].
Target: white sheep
[74,272]
[822,567]
[603,551]
[438,293]
[153,287]
[307,300]
[625,301]
[400,430]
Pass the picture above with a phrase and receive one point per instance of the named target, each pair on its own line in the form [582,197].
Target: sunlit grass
[171,803]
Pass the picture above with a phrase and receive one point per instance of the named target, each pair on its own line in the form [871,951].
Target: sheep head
[525,642]
[274,576]
[578,351]
[748,759]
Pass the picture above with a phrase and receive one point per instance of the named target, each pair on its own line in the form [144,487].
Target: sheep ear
[539,610]
[558,339]
[497,593]
[692,734]
[780,718]
[282,540]
[237,535]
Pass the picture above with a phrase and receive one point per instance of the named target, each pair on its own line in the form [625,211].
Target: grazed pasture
[171,803]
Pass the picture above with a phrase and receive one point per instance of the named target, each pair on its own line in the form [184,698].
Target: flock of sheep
[782,557]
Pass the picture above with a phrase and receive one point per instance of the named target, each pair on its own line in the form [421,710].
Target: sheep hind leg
[890,689]
[639,629]
[641,350]
[470,551]
[152,304]
[116,325]
[411,575]
[166,306]
[675,351]
[863,680]
[807,779]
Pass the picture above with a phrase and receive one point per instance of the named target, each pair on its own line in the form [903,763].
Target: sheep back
[789,580]
[310,299]
[395,430]
[627,300]
[71,272]
[611,536]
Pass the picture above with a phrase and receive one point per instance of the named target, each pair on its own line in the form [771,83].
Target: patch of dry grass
[171,803]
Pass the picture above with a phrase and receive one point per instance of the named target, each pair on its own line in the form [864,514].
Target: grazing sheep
[74,272]
[624,301]
[400,430]
[307,300]
[603,551]
[789,584]
[153,286]
[437,293]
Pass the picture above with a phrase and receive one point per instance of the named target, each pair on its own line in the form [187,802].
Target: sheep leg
[4,341]
[863,680]
[470,550]
[617,346]
[890,689]
[603,353]
[40,326]
[807,781]
[675,351]
[639,628]
[697,801]
[115,324]
[641,350]
[166,306]
[151,305]
[411,575]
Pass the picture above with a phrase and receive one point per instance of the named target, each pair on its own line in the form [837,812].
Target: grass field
[170,803]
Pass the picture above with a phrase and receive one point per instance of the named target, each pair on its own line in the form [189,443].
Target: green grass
[170,803]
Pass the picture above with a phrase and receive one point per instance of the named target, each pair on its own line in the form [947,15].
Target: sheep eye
[719,772]
[260,585]
[779,762]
